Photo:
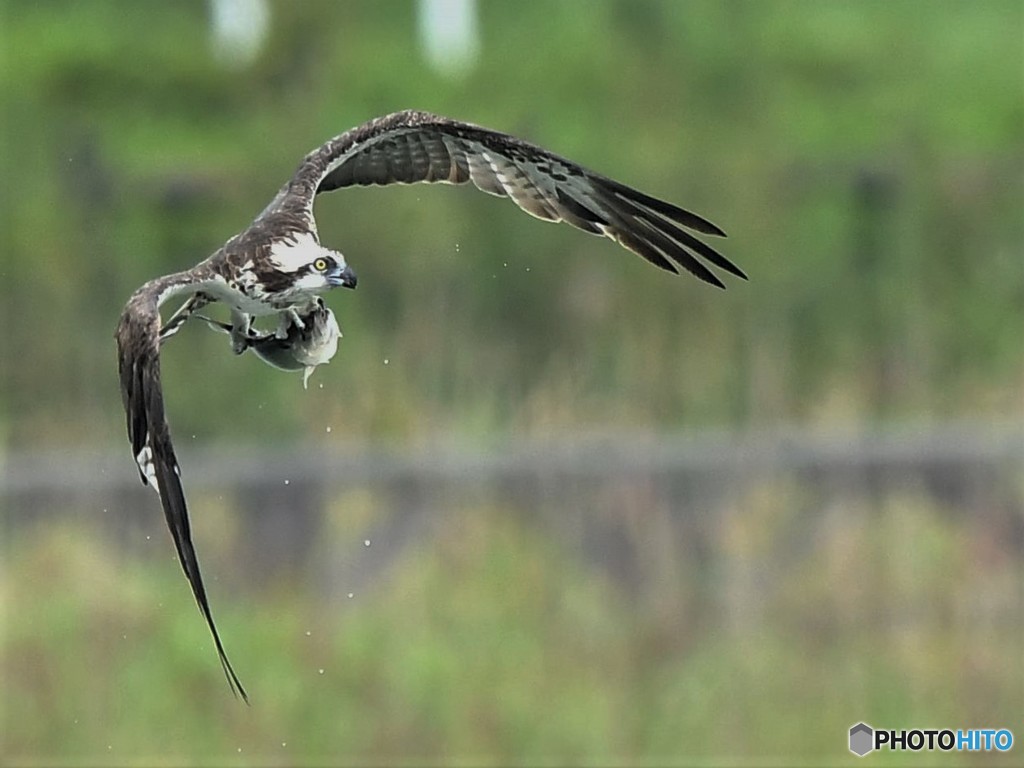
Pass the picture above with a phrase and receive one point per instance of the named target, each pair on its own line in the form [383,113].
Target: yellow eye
[320,265]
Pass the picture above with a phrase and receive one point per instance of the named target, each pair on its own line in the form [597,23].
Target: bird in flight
[277,268]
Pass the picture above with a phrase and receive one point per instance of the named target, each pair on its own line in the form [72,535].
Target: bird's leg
[174,322]
[241,331]
[288,318]
[216,325]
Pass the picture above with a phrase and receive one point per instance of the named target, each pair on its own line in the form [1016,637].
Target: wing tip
[710,278]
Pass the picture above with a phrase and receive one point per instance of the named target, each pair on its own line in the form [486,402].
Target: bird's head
[299,265]
[328,270]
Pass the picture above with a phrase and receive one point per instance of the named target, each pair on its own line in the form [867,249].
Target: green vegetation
[866,159]
[492,646]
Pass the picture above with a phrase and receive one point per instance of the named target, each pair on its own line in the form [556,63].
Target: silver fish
[301,344]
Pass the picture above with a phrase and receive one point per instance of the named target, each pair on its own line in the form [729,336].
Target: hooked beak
[344,277]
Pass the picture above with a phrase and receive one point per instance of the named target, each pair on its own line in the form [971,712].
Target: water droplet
[321,670]
[328,430]
[351,595]
[148,537]
[284,743]
[366,542]
[308,633]
[287,482]
[239,750]
[386,361]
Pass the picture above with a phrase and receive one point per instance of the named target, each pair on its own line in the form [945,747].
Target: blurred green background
[548,505]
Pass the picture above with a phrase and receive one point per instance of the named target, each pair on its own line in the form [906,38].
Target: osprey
[277,267]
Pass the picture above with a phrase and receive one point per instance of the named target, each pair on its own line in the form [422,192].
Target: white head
[327,270]
[314,267]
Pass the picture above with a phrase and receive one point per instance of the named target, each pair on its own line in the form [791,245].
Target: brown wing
[410,147]
[138,352]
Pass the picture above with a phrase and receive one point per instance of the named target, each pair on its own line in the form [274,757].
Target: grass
[493,644]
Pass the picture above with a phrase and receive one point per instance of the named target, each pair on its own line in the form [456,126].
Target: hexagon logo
[862,739]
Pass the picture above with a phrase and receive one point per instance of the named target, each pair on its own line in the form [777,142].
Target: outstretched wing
[138,348]
[409,147]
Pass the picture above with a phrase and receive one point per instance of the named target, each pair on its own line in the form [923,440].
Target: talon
[288,318]
[241,331]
